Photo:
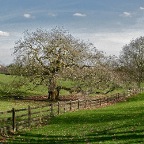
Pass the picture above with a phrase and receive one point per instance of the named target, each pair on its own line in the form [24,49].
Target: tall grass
[121,123]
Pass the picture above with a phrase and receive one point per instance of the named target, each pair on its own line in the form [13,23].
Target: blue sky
[108,24]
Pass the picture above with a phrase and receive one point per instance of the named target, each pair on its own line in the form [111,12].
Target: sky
[108,24]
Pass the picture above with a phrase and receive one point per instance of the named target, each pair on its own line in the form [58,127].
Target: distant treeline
[3,69]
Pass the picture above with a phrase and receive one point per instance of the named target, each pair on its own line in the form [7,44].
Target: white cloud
[26,15]
[6,51]
[52,14]
[126,14]
[79,14]
[2,33]
[111,42]
[141,8]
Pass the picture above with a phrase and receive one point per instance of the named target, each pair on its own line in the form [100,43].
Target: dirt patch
[36,98]
[63,97]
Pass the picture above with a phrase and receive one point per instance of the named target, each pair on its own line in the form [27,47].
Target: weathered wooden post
[64,107]
[51,110]
[85,104]
[100,102]
[29,116]
[13,120]
[90,103]
[78,104]
[70,105]
[58,108]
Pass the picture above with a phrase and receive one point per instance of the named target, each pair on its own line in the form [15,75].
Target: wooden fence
[17,119]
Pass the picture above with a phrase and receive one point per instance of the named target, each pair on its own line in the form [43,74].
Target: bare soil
[63,98]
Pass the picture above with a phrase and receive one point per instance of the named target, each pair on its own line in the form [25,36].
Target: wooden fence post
[78,104]
[13,120]
[90,103]
[58,108]
[100,102]
[85,104]
[70,105]
[51,110]
[29,116]
[64,107]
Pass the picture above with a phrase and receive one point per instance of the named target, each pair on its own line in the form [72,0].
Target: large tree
[43,56]
[132,60]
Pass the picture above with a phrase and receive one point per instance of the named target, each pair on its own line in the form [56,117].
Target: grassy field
[7,90]
[122,123]
[6,105]
[9,87]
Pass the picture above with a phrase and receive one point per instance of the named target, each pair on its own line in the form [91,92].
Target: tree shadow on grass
[94,137]
[127,132]
[117,134]
[93,118]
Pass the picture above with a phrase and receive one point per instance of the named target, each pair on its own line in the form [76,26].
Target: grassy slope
[120,123]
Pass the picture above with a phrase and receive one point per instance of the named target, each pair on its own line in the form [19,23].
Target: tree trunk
[53,90]
[53,94]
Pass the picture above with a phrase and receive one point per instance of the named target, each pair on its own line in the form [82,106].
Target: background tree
[42,56]
[98,76]
[132,60]
[3,69]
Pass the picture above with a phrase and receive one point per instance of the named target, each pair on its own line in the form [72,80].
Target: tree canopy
[44,56]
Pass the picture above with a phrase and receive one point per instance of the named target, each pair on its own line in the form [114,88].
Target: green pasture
[6,105]
[121,123]
[10,86]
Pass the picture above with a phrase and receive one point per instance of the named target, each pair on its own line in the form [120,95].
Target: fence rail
[16,119]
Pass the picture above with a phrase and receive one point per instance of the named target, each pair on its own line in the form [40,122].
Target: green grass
[122,123]
[5,78]
[6,105]
[9,88]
